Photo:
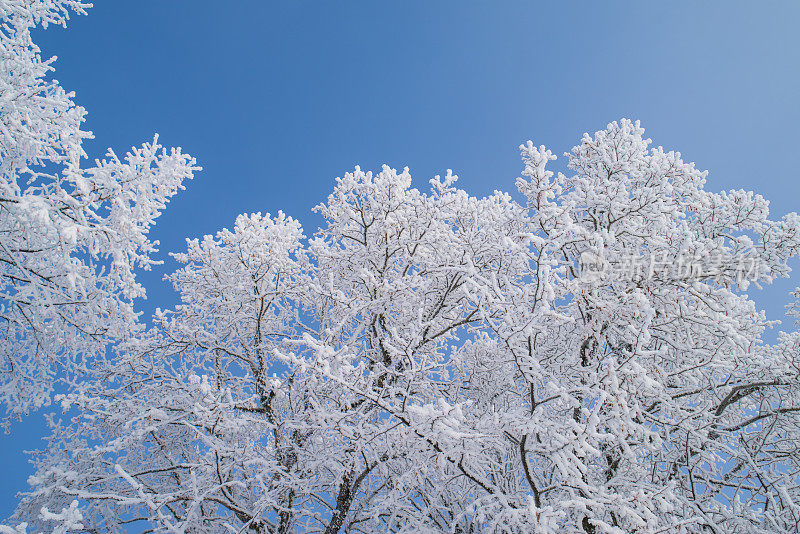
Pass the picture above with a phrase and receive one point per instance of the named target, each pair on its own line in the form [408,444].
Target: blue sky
[276,99]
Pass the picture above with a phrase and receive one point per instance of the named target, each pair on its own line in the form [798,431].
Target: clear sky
[275,99]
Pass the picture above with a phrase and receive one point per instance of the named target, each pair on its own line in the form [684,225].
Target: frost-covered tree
[586,361]
[71,235]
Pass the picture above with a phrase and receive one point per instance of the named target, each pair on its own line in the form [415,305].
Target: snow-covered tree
[586,361]
[71,235]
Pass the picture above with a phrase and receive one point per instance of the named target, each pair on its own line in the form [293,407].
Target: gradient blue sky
[275,99]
